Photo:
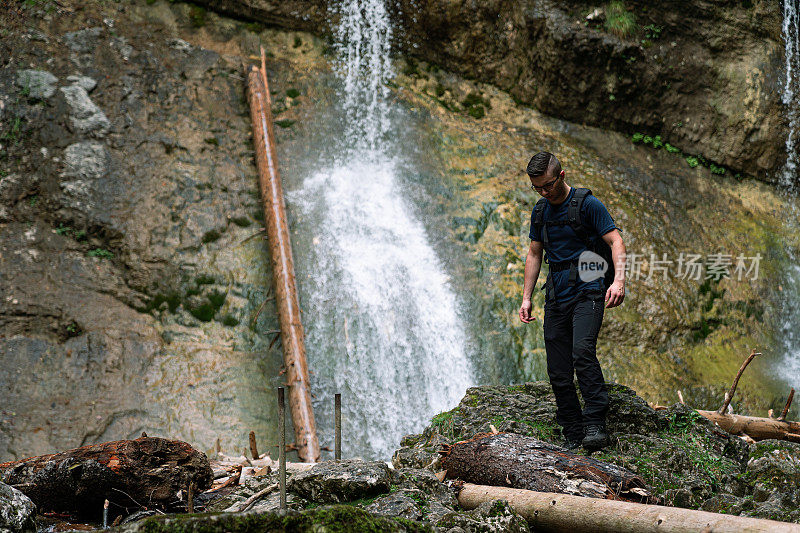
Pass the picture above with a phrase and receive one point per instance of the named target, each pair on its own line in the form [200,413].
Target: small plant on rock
[619,20]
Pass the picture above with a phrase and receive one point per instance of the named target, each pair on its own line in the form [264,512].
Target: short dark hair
[544,164]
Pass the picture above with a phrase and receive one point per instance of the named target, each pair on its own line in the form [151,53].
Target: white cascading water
[382,321]
[789,182]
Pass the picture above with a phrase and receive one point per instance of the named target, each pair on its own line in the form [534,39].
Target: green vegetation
[242,221]
[100,252]
[285,123]
[692,160]
[476,105]
[292,93]
[230,320]
[298,42]
[651,33]
[197,16]
[329,518]
[211,236]
[13,134]
[254,27]
[211,140]
[619,20]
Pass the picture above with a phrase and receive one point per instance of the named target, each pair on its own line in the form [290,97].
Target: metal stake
[282,447]
[337,410]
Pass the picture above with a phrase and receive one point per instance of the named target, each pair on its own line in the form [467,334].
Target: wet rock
[489,517]
[82,41]
[774,468]
[342,481]
[38,83]
[629,413]
[403,504]
[85,163]
[87,83]
[16,510]
[233,501]
[408,457]
[85,116]
[13,188]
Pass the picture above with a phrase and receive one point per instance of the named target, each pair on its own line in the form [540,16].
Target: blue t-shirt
[566,246]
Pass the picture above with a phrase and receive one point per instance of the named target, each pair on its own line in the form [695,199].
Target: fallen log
[562,512]
[146,472]
[511,460]
[755,427]
[294,351]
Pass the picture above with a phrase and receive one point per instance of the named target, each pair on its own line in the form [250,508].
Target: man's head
[546,175]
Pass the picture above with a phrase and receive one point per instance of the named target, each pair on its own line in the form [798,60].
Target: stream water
[381,315]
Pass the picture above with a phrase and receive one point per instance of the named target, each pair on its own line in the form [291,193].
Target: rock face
[705,77]
[16,510]
[128,195]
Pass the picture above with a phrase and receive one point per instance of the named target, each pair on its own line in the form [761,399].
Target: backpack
[582,231]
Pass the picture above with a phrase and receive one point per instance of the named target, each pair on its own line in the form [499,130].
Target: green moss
[211,140]
[330,519]
[292,93]
[197,16]
[211,236]
[476,111]
[242,222]
[285,123]
[230,320]
[208,309]
[173,300]
[298,42]
[254,27]
[205,279]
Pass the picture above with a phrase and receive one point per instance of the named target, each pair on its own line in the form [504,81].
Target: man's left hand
[615,294]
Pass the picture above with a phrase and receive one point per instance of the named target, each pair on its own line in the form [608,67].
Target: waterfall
[789,182]
[791,31]
[381,314]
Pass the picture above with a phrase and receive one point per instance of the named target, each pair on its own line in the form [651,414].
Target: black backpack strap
[574,215]
[538,221]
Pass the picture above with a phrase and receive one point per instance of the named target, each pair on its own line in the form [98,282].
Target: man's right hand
[525,312]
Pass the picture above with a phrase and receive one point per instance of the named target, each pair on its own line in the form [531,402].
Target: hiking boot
[596,437]
[571,444]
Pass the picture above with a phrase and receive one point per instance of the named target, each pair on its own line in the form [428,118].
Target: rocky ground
[133,271]
[685,460]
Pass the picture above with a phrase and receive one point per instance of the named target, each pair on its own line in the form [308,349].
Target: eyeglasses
[547,186]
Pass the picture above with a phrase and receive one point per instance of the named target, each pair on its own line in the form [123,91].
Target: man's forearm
[533,263]
[618,255]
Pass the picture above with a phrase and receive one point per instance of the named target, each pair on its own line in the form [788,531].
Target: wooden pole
[547,511]
[282,447]
[294,352]
[253,447]
[337,416]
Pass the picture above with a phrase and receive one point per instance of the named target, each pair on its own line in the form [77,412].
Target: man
[574,307]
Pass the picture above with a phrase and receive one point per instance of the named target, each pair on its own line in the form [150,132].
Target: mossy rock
[330,519]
